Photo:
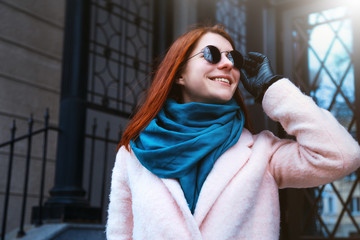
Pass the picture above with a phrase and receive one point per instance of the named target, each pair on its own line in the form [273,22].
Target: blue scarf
[183,141]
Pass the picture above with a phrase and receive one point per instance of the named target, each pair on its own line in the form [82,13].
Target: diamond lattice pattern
[322,47]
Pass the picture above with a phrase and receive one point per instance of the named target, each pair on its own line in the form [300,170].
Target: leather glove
[257,75]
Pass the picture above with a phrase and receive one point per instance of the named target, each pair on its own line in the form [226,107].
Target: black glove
[257,75]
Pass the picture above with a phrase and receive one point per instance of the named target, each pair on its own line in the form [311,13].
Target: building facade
[89,62]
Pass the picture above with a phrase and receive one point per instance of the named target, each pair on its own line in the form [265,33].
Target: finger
[257,57]
[243,75]
[244,79]
[250,63]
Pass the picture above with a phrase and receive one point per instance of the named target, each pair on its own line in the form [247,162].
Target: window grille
[120,53]
[232,14]
[322,51]
[120,64]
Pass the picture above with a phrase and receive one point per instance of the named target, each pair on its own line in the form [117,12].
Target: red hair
[163,86]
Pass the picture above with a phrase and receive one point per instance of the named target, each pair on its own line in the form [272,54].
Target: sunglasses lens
[231,58]
[236,58]
[212,54]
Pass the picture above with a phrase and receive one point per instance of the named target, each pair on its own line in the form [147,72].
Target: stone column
[67,201]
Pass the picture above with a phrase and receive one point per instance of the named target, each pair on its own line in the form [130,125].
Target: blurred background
[72,72]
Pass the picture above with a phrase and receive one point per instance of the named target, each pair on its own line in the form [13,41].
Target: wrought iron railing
[101,155]
[8,179]
[98,168]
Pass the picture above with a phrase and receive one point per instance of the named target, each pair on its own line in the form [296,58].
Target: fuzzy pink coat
[239,199]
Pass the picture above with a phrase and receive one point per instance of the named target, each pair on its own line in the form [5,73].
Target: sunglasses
[213,55]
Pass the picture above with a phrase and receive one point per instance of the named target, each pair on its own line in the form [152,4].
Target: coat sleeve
[120,219]
[323,151]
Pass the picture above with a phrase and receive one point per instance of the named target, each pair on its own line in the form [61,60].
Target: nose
[225,62]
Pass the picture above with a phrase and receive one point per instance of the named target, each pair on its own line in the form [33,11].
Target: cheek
[237,77]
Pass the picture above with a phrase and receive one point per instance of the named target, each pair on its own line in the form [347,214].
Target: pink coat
[239,199]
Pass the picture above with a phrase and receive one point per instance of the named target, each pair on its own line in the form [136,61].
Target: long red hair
[163,86]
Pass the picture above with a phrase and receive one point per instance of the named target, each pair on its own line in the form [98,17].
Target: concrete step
[62,231]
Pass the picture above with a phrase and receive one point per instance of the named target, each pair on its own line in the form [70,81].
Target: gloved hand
[257,75]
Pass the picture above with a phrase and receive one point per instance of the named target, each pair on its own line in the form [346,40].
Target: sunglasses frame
[215,55]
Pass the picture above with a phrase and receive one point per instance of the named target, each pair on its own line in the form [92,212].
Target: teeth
[222,80]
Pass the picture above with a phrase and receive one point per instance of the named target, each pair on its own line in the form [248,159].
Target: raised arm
[323,151]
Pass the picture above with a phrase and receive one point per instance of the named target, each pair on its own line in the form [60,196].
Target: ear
[180,80]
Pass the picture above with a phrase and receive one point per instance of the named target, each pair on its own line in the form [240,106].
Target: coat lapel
[175,189]
[223,171]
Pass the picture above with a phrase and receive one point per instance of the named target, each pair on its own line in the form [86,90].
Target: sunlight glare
[354,4]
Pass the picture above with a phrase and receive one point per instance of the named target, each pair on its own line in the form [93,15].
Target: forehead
[213,39]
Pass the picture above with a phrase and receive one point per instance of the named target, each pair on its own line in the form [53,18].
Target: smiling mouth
[224,80]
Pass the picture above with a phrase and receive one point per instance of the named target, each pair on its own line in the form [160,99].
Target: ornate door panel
[233,14]
[120,60]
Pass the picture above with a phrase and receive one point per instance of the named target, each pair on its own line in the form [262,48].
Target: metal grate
[232,14]
[120,58]
[322,50]
[120,53]
[323,41]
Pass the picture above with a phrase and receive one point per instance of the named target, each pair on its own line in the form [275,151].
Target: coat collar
[223,171]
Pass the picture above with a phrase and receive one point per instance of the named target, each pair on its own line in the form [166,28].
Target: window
[318,56]
[355,205]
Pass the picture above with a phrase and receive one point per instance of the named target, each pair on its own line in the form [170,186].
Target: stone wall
[31,38]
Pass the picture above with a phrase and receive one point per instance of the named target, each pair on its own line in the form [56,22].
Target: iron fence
[101,149]
[28,137]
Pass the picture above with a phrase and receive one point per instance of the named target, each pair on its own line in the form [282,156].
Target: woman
[188,167]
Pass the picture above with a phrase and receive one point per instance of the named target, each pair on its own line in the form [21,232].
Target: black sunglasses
[213,55]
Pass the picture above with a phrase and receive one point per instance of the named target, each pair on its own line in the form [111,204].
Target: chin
[222,100]
[223,97]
